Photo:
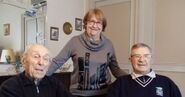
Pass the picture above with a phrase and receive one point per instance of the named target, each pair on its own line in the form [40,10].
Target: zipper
[37,89]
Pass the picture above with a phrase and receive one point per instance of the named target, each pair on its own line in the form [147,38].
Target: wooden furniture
[64,77]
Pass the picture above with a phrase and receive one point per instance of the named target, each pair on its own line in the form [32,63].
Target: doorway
[118,15]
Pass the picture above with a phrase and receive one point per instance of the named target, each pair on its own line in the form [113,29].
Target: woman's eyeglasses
[99,23]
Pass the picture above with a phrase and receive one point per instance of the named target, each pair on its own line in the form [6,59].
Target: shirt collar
[150,74]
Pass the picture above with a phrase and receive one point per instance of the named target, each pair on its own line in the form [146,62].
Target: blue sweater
[160,86]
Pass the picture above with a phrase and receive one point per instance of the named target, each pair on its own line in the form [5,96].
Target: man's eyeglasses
[99,23]
[138,56]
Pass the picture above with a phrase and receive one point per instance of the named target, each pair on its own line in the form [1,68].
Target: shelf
[7,69]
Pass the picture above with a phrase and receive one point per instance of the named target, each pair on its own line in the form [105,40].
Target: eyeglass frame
[138,56]
[92,22]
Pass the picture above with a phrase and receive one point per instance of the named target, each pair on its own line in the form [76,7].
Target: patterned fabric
[92,61]
[143,80]
[158,86]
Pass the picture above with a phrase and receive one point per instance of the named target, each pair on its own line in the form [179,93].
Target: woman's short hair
[98,14]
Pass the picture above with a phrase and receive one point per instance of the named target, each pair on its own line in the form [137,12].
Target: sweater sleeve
[174,90]
[114,67]
[61,58]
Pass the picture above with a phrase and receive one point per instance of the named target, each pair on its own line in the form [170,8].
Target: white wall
[58,12]
[12,15]
[170,32]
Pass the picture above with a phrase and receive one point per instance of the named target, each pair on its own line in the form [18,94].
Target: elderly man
[143,81]
[33,82]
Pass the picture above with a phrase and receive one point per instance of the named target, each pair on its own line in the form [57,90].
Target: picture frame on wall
[78,24]
[54,33]
[6,28]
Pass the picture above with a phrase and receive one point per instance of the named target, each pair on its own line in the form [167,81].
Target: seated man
[143,81]
[33,82]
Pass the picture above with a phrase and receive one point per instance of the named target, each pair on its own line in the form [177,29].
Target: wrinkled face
[141,60]
[37,62]
[94,27]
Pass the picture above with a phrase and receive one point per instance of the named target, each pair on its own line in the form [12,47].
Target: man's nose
[141,58]
[41,61]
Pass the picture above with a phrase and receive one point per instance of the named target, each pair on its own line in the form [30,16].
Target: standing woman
[92,55]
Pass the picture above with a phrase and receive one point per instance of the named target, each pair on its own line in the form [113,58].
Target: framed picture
[78,24]
[6,28]
[54,33]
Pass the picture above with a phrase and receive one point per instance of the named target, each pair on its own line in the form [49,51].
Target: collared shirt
[150,74]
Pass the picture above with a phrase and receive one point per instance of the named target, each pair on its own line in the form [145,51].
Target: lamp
[7,56]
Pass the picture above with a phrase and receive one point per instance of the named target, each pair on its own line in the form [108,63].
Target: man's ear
[24,63]
[151,61]
[129,58]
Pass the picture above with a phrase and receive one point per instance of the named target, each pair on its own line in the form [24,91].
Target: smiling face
[141,60]
[94,27]
[36,61]
[94,23]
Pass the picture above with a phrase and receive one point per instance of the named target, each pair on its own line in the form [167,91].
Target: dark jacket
[22,86]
